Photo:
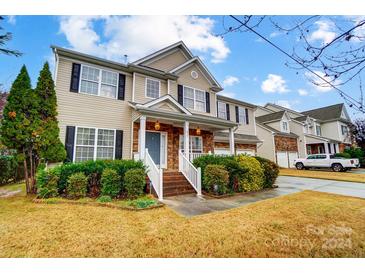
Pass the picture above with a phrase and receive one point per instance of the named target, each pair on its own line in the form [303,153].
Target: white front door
[156,143]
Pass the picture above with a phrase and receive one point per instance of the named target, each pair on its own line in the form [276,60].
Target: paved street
[191,205]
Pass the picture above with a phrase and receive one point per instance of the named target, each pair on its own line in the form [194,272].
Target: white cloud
[138,36]
[230,81]
[287,104]
[319,84]
[276,34]
[302,92]
[274,84]
[325,32]
[12,19]
[227,94]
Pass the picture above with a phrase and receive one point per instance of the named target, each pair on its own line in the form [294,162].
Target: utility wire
[351,101]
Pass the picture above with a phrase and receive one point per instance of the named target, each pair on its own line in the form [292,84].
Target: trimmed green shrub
[94,169]
[343,155]
[77,185]
[134,182]
[356,152]
[104,199]
[142,202]
[271,171]
[47,181]
[234,169]
[216,179]
[110,183]
[8,169]
[253,179]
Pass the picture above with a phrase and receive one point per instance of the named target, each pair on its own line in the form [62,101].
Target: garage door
[282,158]
[292,156]
[246,151]
[222,151]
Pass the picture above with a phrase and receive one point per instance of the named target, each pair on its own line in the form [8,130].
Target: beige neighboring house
[293,134]
[163,109]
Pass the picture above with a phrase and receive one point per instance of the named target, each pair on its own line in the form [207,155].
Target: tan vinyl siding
[261,111]
[168,62]
[75,109]
[200,83]
[265,149]
[140,88]
[298,129]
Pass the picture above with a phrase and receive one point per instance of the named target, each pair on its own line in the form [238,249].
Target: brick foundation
[173,141]
[286,143]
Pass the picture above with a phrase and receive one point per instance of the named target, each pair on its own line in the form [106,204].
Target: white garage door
[246,151]
[292,157]
[282,158]
[221,151]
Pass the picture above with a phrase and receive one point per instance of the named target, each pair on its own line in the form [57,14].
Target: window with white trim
[344,130]
[152,88]
[222,110]
[92,144]
[241,115]
[285,126]
[194,99]
[99,82]
[195,144]
[318,130]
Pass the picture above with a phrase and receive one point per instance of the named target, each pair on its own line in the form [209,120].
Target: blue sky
[247,67]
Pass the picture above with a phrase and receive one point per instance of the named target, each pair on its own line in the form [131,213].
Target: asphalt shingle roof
[270,117]
[325,113]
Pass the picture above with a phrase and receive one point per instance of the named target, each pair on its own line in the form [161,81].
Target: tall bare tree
[5,37]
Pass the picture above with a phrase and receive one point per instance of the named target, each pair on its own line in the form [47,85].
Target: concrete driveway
[191,205]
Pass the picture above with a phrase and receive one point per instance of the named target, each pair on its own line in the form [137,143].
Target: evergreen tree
[21,123]
[50,148]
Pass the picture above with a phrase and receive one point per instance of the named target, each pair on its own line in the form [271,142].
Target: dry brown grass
[321,174]
[280,227]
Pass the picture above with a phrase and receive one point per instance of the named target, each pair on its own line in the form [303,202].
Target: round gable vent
[194,74]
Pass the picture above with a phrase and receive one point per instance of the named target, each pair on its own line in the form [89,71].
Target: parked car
[326,161]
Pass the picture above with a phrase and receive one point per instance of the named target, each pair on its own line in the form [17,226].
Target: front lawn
[306,224]
[322,174]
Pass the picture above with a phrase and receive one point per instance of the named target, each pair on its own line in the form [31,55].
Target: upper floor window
[241,115]
[99,82]
[318,130]
[285,126]
[222,110]
[152,88]
[344,130]
[194,99]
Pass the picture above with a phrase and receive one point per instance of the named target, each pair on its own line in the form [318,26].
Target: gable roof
[282,108]
[332,112]
[235,101]
[277,132]
[153,55]
[301,118]
[271,117]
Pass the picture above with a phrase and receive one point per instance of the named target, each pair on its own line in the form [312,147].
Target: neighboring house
[323,130]
[162,108]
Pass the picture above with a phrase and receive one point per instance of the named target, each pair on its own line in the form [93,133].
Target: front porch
[320,145]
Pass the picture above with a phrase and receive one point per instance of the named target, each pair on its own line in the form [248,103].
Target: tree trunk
[26,172]
[32,171]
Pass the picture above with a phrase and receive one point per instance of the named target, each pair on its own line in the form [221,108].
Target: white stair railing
[155,174]
[192,174]
[194,155]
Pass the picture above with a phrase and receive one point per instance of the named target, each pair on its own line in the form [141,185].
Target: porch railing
[194,155]
[155,174]
[192,174]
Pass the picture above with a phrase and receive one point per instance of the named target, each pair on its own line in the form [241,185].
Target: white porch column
[326,148]
[231,141]
[186,139]
[142,137]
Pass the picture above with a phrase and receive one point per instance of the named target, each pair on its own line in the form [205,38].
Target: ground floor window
[93,144]
[195,145]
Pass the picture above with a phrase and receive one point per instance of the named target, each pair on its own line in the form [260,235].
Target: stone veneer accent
[173,141]
[237,146]
[286,143]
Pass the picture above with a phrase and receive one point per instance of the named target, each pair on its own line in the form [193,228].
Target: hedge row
[93,178]
[8,169]
[228,174]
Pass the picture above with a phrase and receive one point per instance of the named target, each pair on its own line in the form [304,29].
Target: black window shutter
[207,101]
[246,113]
[75,77]
[228,114]
[69,143]
[119,144]
[180,94]
[237,115]
[121,87]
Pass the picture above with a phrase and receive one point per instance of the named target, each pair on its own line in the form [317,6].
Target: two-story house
[323,130]
[163,109]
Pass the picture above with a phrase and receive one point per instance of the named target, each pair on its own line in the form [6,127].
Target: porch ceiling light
[157,125]
[198,131]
